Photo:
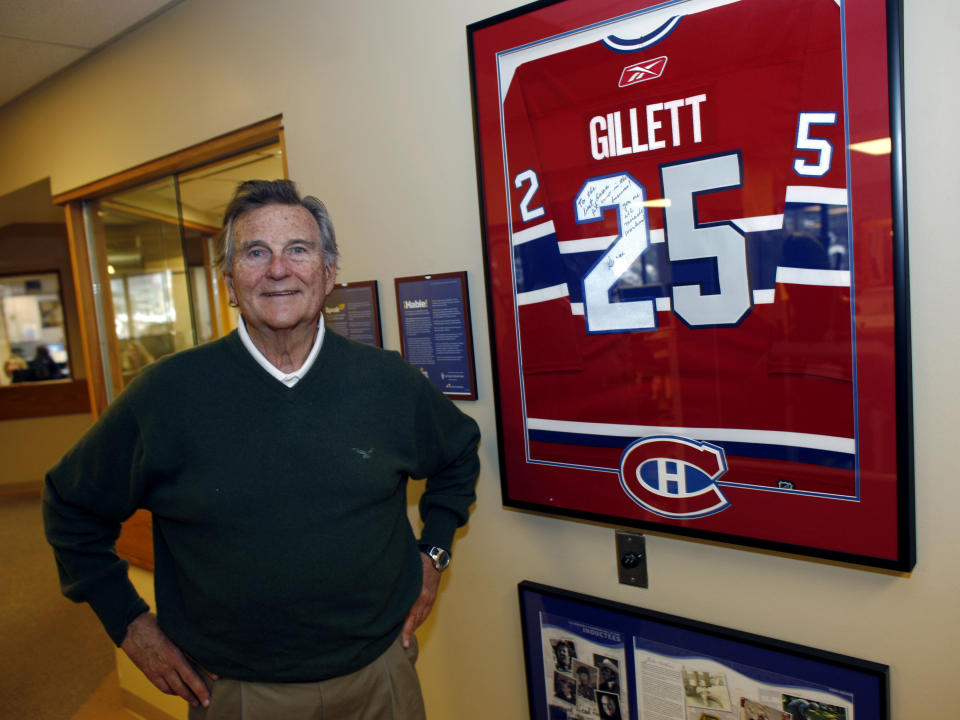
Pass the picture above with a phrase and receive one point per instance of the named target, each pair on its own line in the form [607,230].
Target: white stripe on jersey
[663,305]
[761,223]
[817,195]
[760,297]
[761,437]
[543,294]
[657,235]
[533,233]
[594,244]
[808,276]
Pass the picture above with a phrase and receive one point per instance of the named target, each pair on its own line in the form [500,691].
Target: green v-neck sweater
[282,547]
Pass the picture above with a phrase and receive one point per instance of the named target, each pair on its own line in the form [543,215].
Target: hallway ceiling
[40,38]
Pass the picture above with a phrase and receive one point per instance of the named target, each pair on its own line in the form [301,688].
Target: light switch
[632,558]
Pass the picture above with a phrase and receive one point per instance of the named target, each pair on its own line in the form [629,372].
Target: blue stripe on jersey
[536,265]
[814,236]
[826,458]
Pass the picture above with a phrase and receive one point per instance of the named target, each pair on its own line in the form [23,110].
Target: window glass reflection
[148,278]
[32,335]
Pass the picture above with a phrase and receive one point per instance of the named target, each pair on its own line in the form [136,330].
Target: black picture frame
[433,312]
[578,647]
[353,310]
[546,463]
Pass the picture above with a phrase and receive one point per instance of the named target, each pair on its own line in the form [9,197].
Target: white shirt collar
[288,379]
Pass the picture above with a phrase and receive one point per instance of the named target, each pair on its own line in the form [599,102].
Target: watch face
[440,557]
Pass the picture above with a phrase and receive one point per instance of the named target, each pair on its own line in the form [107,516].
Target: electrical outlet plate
[632,558]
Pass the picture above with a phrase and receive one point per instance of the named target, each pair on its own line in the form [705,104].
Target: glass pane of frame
[33,340]
[150,292]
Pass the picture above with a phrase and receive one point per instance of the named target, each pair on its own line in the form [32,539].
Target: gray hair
[253,194]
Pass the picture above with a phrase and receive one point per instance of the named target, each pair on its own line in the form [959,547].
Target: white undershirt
[288,379]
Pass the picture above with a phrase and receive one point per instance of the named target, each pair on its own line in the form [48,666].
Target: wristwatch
[439,556]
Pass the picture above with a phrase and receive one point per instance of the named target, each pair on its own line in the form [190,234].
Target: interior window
[33,341]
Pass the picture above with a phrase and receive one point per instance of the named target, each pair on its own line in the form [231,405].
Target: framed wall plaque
[588,658]
[694,236]
[353,310]
[435,335]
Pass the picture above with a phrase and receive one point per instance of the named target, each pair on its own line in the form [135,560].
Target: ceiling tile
[26,63]
[87,23]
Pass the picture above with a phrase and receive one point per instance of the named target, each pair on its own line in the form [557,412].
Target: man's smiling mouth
[282,293]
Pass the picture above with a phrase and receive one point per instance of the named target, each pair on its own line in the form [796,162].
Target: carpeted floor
[53,654]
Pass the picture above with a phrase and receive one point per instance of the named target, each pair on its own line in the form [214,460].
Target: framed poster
[435,335]
[353,310]
[695,253]
[588,658]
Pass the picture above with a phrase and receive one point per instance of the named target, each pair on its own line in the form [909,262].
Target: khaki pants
[386,689]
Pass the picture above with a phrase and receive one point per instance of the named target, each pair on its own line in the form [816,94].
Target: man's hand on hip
[162,662]
[421,608]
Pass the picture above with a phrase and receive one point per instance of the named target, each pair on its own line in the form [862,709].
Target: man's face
[609,707]
[278,276]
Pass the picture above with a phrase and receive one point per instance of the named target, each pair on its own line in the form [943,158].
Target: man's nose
[278,267]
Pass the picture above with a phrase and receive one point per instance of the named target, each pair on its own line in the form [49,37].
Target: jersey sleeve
[546,323]
[810,326]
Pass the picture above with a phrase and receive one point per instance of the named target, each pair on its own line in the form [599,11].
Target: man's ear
[231,293]
[331,277]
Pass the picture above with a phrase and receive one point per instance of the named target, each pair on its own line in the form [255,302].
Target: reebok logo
[642,71]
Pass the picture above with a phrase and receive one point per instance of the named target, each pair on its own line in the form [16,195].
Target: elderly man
[274,460]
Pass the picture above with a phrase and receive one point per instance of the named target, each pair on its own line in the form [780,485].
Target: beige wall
[376,105]
[30,447]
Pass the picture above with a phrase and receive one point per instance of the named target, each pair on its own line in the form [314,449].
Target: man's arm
[447,447]
[87,495]
[447,441]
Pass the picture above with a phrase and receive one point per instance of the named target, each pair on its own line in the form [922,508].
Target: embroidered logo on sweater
[365,454]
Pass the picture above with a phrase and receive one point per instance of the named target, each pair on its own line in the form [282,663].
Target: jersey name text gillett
[609,137]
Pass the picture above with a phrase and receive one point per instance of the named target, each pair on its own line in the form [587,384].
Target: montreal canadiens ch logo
[674,477]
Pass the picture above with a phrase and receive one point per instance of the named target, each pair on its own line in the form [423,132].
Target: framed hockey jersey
[694,238]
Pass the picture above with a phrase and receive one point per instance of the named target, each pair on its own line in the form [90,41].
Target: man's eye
[255,253]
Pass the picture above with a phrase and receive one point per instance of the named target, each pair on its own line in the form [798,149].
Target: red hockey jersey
[677,186]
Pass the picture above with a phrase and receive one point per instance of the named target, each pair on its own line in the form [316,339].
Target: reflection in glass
[32,335]
[145,259]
